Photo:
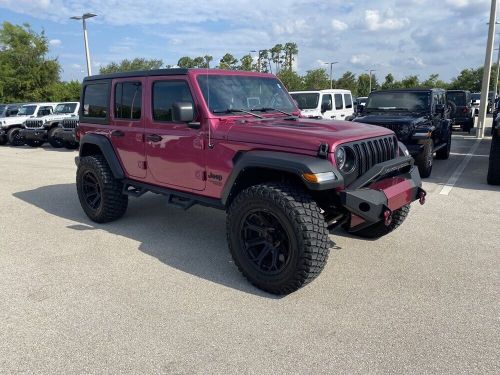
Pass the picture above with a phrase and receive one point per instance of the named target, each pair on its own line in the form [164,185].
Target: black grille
[70,123]
[369,152]
[33,124]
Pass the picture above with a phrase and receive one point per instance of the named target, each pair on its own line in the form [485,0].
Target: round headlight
[345,159]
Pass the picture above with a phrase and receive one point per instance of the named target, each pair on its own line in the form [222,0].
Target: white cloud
[76,66]
[375,21]
[55,43]
[360,59]
[339,25]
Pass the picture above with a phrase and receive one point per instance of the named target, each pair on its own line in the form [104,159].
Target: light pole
[370,72]
[331,71]
[483,104]
[85,38]
[498,69]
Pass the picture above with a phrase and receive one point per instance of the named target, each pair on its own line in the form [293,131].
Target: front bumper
[386,187]
[66,135]
[34,134]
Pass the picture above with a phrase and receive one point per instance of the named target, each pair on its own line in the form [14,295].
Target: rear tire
[425,158]
[277,237]
[380,229]
[444,153]
[14,137]
[100,194]
[54,141]
[494,161]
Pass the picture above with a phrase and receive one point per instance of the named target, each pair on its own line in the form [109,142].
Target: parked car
[12,126]
[8,110]
[462,113]
[232,140]
[39,130]
[475,101]
[324,104]
[493,176]
[420,119]
[66,133]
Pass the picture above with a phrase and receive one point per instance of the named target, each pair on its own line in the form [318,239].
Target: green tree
[246,63]
[263,61]
[290,50]
[291,80]
[65,91]
[316,79]
[276,56]
[469,79]
[228,62]
[389,82]
[185,62]
[208,60]
[139,63]
[26,74]
[346,82]
[410,82]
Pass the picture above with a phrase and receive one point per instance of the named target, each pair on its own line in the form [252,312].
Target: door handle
[154,138]
[342,115]
[117,133]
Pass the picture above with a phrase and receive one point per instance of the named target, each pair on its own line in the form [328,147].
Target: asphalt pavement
[157,291]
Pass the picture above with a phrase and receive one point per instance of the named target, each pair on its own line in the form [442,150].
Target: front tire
[54,141]
[277,237]
[381,229]
[425,158]
[100,194]
[14,137]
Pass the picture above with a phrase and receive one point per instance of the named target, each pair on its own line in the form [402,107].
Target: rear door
[127,124]
[348,105]
[339,106]
[327,103]
[174,151]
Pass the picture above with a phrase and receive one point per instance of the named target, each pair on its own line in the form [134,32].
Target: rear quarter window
[339,104]
[96,102]
[348,100]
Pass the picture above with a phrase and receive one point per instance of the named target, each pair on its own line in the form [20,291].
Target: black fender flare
[107,151]
[283,162]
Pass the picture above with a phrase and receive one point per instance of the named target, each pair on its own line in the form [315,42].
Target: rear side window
[339,104]
[95,100]
[165,93]
[128,100]
[326,102]
[348,100]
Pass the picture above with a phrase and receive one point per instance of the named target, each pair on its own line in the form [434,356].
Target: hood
[14,120]
[302,133]
[56,117]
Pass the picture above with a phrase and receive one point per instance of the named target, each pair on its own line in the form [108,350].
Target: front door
[174,151]
[127,125]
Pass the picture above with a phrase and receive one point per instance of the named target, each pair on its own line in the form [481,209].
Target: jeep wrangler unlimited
[420,119]
[37,131]
[66,133]
[233,140]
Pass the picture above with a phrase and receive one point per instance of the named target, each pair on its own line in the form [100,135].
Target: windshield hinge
[323,150]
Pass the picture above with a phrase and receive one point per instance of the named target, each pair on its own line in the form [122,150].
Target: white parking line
[456,175]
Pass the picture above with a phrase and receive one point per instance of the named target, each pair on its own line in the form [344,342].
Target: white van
[332,104]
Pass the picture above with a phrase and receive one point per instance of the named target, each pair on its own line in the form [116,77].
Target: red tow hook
[421,196]
[387,217]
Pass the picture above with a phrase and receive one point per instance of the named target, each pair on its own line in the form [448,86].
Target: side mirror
[439,108]
[182,112]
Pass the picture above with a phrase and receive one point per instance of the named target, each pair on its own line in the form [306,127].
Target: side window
[326,102]
[128,100]
[95,100]
[348,101]
[339,104]
[165,93]
[44,111]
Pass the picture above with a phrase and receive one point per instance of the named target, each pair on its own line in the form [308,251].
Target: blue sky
[399,36]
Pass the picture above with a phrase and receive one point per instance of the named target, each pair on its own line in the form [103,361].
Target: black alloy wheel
[91,190]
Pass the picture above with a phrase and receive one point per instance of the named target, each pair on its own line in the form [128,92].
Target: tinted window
[95,100]
[306,100]
[128,100]
[348,100]
[165,93]
[457,97]
[402,100]
[326,102]
[338,101]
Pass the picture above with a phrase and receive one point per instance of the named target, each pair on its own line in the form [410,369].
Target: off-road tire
[33,143]
[380,229]
[3,140]
[54,141]
[71,145]
[113,204]
[444,153]
[493,177]
[14,137]
[303,222]
[425,159]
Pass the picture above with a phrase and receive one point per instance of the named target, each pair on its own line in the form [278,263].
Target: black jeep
[462,111]
[420,119]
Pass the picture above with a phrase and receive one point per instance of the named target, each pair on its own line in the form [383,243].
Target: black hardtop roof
[457,90]
[138,73]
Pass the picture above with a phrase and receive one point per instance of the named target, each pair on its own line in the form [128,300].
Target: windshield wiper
[265,109]
[232,110]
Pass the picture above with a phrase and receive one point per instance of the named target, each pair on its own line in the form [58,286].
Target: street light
[371,71]
[498,69]
[85,39]
[331,70]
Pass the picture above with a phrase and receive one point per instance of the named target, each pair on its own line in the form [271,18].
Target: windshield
[409,101]
[26,110]
[457,97]
[306,100]
[226,92]
[65,108]
[475,96]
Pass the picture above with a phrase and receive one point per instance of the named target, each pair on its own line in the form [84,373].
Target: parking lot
[157,291]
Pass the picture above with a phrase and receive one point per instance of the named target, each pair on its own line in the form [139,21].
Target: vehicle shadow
[44,147]
[192,241]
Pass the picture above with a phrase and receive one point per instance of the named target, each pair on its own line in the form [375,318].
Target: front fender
[91,141]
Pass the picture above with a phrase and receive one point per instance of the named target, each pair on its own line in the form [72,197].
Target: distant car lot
[157,291]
